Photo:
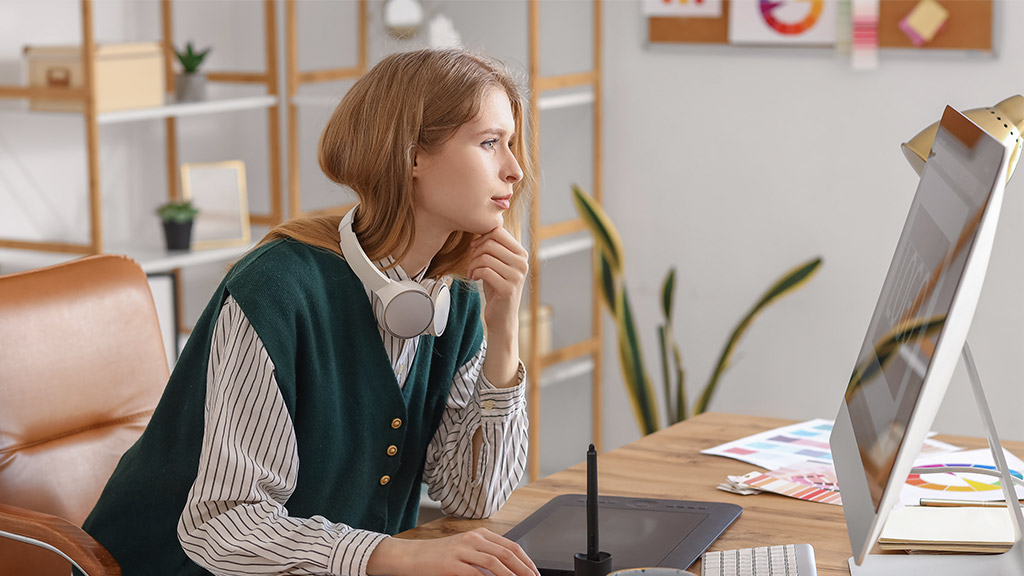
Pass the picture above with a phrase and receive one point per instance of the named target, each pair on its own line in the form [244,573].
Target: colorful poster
[684,8]
[800,22]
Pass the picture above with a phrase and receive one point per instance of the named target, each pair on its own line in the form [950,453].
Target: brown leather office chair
[82,366]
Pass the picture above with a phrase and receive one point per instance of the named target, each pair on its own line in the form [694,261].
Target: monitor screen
[916,297]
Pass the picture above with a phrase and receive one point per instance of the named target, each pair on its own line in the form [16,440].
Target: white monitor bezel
[863,522]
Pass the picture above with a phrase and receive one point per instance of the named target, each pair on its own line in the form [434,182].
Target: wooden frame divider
[535,361]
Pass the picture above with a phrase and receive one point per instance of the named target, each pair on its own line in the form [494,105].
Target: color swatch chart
[807,481]
[958,485]
[781,447]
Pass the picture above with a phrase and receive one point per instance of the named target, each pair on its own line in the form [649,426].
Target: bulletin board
[969,27]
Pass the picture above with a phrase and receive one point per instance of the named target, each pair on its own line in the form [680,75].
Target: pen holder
[586,567]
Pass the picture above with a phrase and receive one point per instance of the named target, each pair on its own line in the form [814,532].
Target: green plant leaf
[639,383]
[663,352]
[668,288]
[789,282]
[177,211]
[680,393]
[600,226]
[905,332]
[680,381]
[606,280]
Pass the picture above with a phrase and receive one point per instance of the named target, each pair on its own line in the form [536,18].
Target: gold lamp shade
[1004,121]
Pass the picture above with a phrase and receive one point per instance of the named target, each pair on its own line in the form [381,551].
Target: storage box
[126,75]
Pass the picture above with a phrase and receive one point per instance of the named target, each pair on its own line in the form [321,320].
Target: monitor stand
[1009,563]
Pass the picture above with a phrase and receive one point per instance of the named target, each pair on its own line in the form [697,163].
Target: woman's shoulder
[284,255]
[286,265]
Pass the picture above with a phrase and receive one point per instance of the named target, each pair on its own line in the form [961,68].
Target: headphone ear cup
[441,296]
[405,309]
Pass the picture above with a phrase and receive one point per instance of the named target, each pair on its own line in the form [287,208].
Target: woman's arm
[500,262]
[475,481]
[234,521]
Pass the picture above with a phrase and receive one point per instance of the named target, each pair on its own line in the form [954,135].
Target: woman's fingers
[516,550]
[500,561]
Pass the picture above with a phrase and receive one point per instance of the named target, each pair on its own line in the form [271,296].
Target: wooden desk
[668,464]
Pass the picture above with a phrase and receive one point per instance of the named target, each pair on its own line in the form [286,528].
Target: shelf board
[548,102]
[152,260]
[563,247]
[169,110]
[566,371]
[178,109]
[311,100]
[551,102]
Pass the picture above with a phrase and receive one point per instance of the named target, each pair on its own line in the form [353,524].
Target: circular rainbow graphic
[955,482]
[769,9]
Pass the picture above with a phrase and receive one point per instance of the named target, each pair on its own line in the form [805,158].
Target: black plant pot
[178,235]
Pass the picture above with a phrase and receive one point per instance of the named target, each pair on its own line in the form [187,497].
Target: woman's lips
[503,201]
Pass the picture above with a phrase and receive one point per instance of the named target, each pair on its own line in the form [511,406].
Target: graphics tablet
[638,532]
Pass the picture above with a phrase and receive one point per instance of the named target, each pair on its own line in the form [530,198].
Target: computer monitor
[919,325]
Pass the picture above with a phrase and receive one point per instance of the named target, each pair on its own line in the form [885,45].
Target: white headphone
[403,307]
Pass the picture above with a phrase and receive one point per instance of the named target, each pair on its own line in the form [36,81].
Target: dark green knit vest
[312,315]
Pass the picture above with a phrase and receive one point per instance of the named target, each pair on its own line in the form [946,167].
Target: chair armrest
[59,536]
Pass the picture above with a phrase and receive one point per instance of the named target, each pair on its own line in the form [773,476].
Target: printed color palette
[808,481]
[781,447]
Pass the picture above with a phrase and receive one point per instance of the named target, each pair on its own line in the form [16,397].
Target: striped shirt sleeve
[477,489]
[235,521]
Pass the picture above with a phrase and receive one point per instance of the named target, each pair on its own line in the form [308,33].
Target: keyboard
[781,560]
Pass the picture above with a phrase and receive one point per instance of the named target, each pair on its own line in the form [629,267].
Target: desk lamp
[1004,119]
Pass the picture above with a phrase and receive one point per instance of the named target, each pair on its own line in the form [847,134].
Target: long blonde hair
[408,100]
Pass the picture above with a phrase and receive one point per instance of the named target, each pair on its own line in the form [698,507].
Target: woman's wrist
[501,364]
[387,558]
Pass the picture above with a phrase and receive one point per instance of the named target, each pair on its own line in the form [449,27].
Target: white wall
[730,164]
[734,164]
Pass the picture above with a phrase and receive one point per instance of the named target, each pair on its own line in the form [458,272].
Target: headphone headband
[360,263]
[404,308]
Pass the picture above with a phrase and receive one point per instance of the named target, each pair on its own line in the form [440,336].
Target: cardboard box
[126,75]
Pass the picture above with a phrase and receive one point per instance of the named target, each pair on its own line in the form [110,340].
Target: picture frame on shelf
[218,190]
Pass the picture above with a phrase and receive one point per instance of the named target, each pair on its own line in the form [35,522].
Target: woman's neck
[424,247]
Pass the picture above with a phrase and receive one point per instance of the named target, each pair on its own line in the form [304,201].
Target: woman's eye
[489,144]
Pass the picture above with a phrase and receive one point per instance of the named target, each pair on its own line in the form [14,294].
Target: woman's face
[466,184]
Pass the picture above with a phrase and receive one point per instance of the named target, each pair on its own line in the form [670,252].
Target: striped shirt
[235,520]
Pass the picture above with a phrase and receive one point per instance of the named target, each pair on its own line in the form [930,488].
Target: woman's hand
[501,262]
[467,554]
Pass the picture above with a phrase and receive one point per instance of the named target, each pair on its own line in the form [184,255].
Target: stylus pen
[592,504]
[940,503]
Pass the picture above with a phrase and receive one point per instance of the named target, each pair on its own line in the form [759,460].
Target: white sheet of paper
[684,8]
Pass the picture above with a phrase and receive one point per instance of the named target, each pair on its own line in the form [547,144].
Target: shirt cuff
[499,403]
[352,552]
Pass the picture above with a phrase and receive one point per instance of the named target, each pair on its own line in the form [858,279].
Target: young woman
[301,419]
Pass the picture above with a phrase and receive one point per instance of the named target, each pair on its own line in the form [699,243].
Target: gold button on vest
[396,423]
[384,480]
[392,450]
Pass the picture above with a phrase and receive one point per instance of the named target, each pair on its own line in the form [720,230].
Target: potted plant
[177,216]
[611,278]
[190,85]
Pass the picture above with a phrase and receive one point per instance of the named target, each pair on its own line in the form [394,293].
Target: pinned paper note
[684,8]
[924,21]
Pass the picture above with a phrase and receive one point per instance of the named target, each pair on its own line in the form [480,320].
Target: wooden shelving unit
[555,240]
[295,78]
[169,113]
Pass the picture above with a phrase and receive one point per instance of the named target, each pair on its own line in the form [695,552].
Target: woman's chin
[485,226]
